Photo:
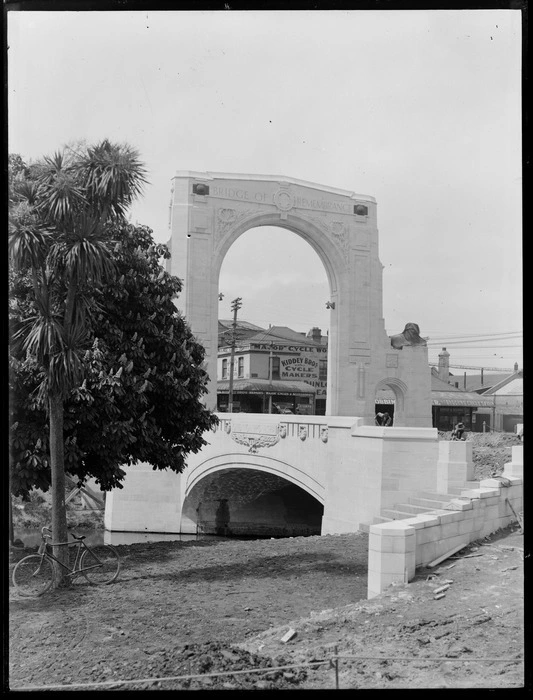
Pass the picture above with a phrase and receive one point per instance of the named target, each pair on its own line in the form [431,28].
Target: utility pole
[235,306]
[270,356]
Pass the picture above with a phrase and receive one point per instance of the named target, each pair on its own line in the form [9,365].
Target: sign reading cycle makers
[283,199]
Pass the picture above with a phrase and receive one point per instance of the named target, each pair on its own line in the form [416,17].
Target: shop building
[274,370]
[278,370]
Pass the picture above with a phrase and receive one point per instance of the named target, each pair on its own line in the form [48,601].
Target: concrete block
[464,504]
[488,492]
[428,534]
[388,562]
[465,526]
[491,512]
[471,493]
[449,530]
[396,528]
[427,520]
[450,543]
[381,543]
[405,546]
[426,553]
[447,517]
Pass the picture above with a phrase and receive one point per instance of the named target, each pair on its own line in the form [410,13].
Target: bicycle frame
[45,551]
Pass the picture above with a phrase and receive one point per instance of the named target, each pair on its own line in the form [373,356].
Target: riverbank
[182,608]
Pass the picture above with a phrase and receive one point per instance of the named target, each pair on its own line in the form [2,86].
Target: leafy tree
[143,378]
[58,233]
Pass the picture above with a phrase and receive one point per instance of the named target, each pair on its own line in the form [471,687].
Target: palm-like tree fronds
[113,177]
[28,241]
[60,194]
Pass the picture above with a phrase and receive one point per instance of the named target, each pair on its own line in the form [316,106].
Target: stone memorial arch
[209,211]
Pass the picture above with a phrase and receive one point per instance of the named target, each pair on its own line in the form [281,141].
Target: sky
[419,109]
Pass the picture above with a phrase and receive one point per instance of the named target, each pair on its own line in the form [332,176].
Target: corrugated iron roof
[461,398]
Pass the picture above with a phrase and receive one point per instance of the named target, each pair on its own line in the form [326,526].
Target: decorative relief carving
[255,436]
[338,231]
[324,433]
[392,360]
[283,199]
[226,218]
[283,430]
[302,432]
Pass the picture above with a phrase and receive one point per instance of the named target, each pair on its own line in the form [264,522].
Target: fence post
[335,648]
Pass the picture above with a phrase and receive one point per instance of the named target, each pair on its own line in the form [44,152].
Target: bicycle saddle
[78,537]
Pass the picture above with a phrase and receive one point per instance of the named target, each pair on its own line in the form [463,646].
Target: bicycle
[35,574]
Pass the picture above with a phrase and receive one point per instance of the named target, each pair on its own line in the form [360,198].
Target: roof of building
[512,385]
[282,335]
[474,383]
[228,323]
[442,394]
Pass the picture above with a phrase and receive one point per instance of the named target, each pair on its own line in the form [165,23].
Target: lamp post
[235,306]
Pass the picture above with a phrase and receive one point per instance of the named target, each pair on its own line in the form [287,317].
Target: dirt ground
[221,606]
[181,608]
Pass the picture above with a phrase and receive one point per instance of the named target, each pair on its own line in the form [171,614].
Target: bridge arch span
[256,462]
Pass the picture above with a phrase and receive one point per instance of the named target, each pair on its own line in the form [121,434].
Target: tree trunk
[59,510]
[11,530]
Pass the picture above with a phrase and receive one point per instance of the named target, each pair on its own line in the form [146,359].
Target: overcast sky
[419,109]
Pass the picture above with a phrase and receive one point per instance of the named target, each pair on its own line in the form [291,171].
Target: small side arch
[399,389]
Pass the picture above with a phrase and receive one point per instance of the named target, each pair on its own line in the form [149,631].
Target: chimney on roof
[315,334]
[444,365]
[516,366]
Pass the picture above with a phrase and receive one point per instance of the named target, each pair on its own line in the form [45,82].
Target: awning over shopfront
[463,398]
[264,386]
[443,398]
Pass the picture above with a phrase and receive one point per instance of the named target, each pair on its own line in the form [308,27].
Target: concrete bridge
[287,475]
[269,475]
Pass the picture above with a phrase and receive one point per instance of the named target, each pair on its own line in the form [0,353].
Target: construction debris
[446,556]
[288,636]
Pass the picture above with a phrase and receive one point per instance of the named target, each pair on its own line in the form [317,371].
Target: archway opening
[250,503]
[282,325]
[390,402]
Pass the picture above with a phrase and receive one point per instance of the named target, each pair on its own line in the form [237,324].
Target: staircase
[423,502]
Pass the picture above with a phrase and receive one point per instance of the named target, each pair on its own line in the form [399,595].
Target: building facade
[274,370]
[278,370]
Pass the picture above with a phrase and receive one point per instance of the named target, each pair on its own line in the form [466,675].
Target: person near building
[379,419]
[387,420]
[457,432]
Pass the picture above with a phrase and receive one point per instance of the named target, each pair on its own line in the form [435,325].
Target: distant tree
[58,234]
[143,378]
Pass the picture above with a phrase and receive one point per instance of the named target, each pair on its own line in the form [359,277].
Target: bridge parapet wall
[297,448]
[376,467]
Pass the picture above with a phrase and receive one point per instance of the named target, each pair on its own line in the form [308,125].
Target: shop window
[224,369]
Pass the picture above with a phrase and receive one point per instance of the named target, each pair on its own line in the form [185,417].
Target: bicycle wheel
[100,564]
[33,575]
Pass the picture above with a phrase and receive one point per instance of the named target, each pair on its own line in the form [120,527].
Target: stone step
[435,496]
[428,503]
[456,490]
[415,508]
[393,514]
[365,527]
